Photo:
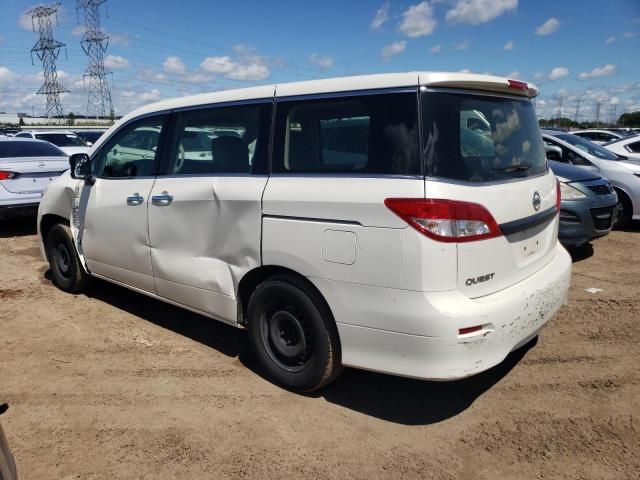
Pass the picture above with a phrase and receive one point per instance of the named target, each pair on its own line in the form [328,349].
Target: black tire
[66,269]
[626,210]
[293,334]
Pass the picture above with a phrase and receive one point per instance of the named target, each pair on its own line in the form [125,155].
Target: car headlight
[567,192]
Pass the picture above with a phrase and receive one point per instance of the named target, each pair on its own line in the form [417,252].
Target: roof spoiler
[486,83]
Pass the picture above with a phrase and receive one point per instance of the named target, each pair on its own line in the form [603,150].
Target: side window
[359,134]
[634,147]
[132,151]
[222,140]
[24,135]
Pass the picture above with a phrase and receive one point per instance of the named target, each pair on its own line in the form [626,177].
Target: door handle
[135,199]
[162,200]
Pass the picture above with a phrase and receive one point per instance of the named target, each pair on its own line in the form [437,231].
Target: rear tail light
[446,220]
[558,195]
[6,175]
[518,85]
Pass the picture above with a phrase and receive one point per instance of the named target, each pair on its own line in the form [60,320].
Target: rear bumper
[415,334]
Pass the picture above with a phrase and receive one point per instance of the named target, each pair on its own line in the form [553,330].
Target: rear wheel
[293,334]
[625,212]
[66,270]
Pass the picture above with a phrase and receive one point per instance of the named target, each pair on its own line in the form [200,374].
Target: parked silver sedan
[26,168]
[622,173]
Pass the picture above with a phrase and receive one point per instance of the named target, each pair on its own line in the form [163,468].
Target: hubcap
[287,341]
[63,262]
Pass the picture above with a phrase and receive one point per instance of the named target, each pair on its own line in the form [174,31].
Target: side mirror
[80,166]
[89,144]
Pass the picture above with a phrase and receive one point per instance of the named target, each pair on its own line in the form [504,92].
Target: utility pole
[598,111]
[94,43]
[614,110]
[577,110]
[559,113]
[47,50]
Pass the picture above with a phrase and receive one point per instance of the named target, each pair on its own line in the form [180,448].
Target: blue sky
[585,50]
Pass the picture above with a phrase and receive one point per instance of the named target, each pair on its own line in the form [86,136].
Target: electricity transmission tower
[47,50]
[94,43]
[578,101]
[598,104]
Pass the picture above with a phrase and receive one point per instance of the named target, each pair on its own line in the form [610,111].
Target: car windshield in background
[15,149]
[475,138]
[90,136]
[62,139]
[587,146]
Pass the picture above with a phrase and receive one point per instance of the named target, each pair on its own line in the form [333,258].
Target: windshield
[62,139]
[477,138]
[587,146]
[16,149]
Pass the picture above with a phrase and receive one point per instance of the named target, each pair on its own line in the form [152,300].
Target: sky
[584,51]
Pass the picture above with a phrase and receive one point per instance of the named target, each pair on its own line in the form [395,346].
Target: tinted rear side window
[29,149]
[476,138]
[371,134]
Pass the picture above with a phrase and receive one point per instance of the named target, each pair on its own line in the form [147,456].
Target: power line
[94,43]
[47,50]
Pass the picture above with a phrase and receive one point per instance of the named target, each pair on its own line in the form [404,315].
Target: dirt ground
[115,385]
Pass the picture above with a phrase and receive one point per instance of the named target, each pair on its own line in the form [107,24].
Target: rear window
[477,138]
[62,139]
[10,149]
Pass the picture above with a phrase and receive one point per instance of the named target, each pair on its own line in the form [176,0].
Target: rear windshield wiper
[523,167]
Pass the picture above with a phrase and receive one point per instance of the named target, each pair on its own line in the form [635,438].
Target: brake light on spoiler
[446,220]
[523,87]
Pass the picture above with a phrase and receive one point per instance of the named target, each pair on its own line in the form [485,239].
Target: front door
[114,227]
[205,209]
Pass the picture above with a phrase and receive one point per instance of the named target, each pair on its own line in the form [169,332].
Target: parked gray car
[623,174]
[588,206]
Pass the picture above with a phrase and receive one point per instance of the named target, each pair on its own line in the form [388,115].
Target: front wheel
[66,270]
[293,334]
[625,213]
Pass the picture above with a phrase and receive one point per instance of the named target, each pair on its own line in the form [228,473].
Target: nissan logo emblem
[41,165]
[536,201]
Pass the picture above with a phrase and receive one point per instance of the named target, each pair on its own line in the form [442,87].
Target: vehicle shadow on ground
[18,227]
[580,253]
[394,399]
[414,402]
[633,226]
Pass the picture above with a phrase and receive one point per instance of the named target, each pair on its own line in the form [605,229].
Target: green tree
[71,119]
[631,119]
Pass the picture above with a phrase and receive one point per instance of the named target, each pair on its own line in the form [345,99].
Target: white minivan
[343,222]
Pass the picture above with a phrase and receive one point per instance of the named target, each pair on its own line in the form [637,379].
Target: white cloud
[538,76]
[174,65]
[548,27]
[418,21]
[381,17]
[24,21]
[614,101]
[558,72]
[1,40]
[464,70]
[636,20]
[435,49]
[463,45]
[246,69]
[610,40]
[475,12]
[78,30]
[149,75]
[145,96]
[392,49]
[509,45]
[598,72]
[629,34]
[323,62]
[116,62]
[514,75]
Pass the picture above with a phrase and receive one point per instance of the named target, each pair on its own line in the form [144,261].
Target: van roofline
[469,81]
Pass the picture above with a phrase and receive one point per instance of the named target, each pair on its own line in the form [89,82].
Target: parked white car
[598,136]
[623,174]
[65,140]
[628,147]
[308,224]
[26,168]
